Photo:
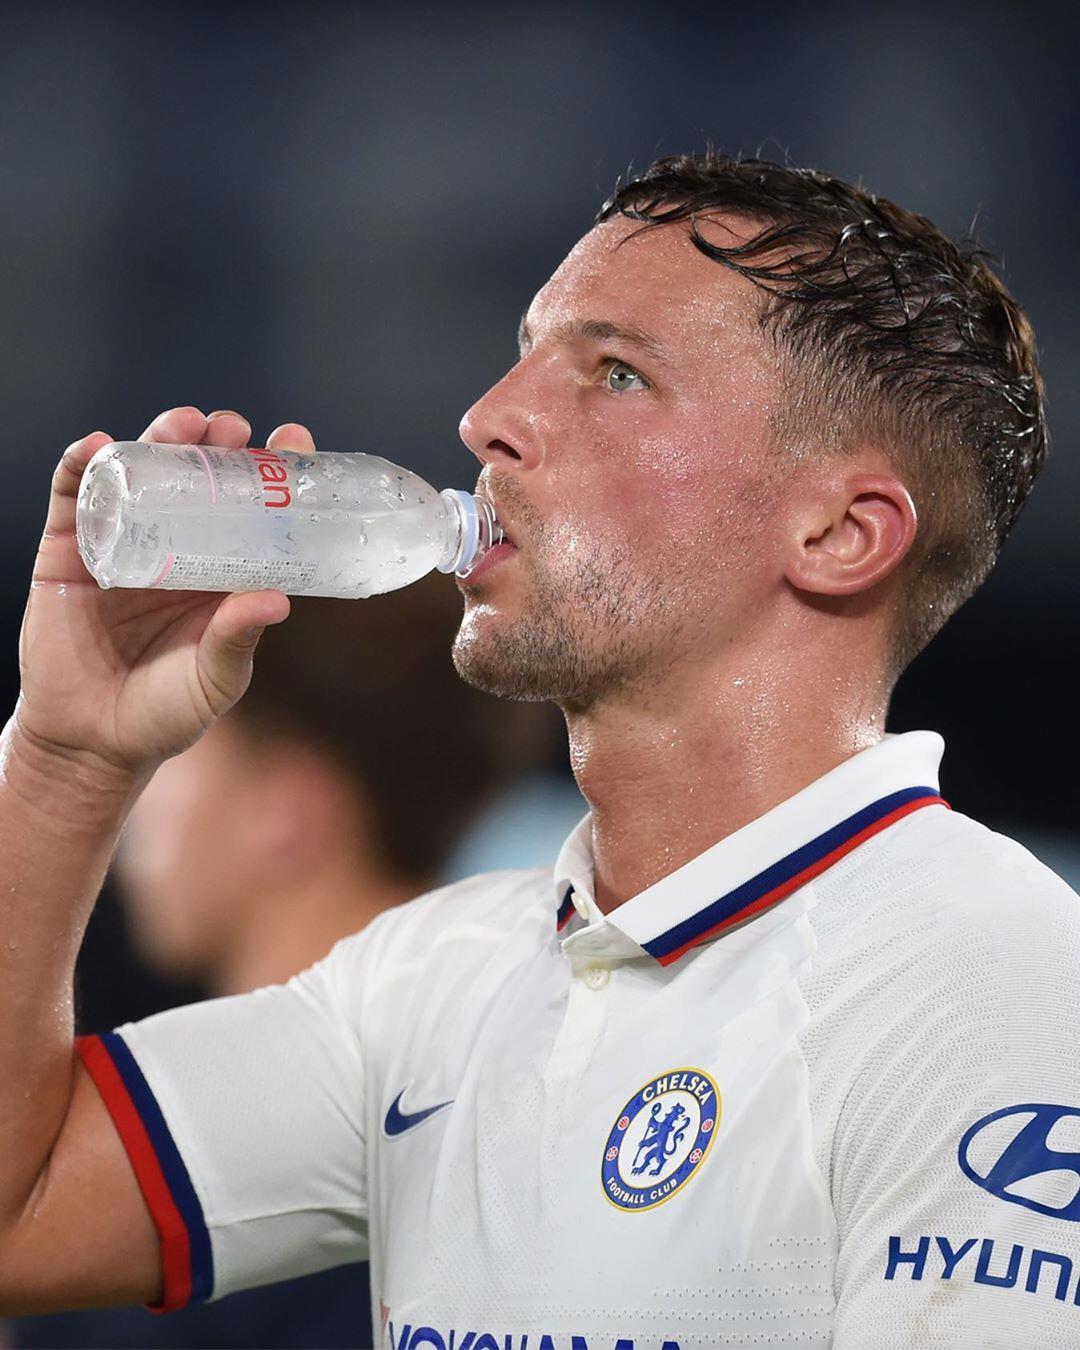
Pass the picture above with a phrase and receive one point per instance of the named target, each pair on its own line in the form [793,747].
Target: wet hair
[887,334]
[370,685]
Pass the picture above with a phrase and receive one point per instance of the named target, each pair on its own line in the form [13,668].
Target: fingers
[291,436]
[228,430]
[178,426]
[66,479]
[188,426]
[225,428]
[227,645]
[73,461]
[185,425]
[243,613]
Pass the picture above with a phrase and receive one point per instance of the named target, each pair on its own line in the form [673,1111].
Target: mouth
[500,520]
[503,544]
[493,556]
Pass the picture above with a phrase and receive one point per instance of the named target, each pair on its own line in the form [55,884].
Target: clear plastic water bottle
[199,518]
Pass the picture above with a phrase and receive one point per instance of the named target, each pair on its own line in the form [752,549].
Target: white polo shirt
[820,1086]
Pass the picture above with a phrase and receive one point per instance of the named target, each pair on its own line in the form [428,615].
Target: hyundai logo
[1026,1156]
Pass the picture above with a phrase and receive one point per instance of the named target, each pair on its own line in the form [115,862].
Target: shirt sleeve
[243,1121]
[956,1155]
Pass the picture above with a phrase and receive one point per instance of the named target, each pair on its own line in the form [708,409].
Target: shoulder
[501,901]
[945,984]
[949,945]
[942,891]
[476,913]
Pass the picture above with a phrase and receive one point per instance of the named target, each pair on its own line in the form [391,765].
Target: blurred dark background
[336,213]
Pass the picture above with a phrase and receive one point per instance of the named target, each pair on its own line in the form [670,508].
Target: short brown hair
[887,333]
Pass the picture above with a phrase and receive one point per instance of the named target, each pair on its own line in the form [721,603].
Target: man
[766,434]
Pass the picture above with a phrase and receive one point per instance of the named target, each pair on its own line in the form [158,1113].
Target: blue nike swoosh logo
[398,1121]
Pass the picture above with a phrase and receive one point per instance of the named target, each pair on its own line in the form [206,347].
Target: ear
[847,542]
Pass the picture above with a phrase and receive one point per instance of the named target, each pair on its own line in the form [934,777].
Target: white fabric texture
[945,987]
[855,1033]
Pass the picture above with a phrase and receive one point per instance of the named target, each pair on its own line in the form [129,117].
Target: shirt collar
[766,860]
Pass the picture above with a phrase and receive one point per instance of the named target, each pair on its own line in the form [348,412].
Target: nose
[500,428]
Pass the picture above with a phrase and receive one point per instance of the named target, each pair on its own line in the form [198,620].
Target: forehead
[654,278]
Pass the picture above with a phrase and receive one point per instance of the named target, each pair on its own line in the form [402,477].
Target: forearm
[59,822]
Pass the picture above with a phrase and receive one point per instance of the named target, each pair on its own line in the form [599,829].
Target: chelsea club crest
[660,1139]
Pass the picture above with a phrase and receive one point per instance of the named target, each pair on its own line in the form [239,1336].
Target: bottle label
[197,572]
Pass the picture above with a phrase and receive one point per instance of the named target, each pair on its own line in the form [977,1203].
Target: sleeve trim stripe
[186,1256]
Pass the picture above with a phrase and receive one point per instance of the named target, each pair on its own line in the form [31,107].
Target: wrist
[68,786]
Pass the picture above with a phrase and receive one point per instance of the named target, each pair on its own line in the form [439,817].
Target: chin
[535,663]
[571,641]
[488,666]
[504,657]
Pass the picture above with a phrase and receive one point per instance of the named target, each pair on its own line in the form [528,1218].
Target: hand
[122,679]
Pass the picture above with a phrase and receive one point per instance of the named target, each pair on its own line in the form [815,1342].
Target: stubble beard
[581,637]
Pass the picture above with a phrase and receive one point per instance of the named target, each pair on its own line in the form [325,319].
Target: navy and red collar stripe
[783,877]
[777,881]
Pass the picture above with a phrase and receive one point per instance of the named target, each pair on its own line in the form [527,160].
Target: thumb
[227,646]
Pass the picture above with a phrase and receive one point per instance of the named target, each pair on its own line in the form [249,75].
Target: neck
[297,925]
[672,771]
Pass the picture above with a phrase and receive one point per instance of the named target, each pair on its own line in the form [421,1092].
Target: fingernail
[228,412]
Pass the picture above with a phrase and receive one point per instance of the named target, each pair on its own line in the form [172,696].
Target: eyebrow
[600,330]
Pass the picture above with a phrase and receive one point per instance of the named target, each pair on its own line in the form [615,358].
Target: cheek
[674,491]
[667,481]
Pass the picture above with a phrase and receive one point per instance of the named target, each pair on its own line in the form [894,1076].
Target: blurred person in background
[350,777]
[341,786]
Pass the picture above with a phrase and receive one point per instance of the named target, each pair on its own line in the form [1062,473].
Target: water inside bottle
[198,518]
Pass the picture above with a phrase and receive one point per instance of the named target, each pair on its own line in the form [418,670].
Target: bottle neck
[473,530]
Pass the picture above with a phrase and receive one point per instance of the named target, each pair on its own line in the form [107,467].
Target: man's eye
[620,376]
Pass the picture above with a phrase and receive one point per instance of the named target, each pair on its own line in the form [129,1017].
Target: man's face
[634,471]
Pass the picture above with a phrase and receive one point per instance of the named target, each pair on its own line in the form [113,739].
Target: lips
[500,519]
[490,559]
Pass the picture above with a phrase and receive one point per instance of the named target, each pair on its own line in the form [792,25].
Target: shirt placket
[595,955]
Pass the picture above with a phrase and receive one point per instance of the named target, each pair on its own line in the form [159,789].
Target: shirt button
[596,976]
